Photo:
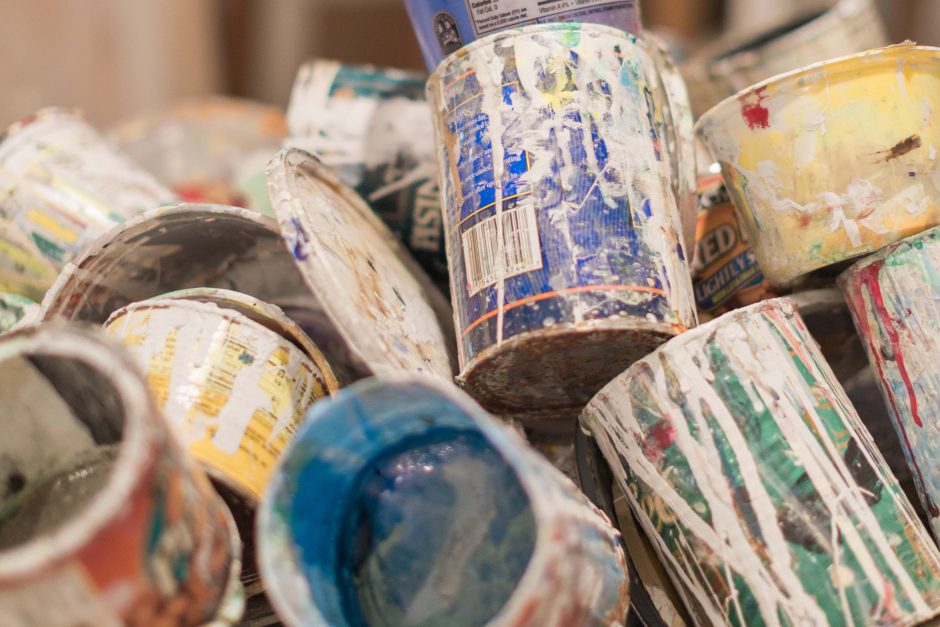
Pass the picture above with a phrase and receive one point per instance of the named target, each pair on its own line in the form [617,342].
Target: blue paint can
[445,26]
[401,502]
[562,229]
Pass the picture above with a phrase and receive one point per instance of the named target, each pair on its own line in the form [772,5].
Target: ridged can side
[562,227]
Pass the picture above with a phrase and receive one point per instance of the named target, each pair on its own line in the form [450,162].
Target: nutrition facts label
[492,15]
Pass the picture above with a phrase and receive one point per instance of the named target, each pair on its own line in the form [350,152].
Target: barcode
[488,260]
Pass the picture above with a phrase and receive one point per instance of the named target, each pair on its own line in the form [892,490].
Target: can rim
[521,459]
[136,444]
[783,304]
[266,315]
[902,245]
[908,50]
[527,31]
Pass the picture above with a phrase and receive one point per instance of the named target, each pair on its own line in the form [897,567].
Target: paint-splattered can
[832,161]
[562,231]
[106,520]
[208,150]
[191,246]
[234,387]
[445,26]
[763,493]
[382,303]
[372,125]
[740,59]
[401,499]
[62,185]
[893,296]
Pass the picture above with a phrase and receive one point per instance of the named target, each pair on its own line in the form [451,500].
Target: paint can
[829,321]
[208,150]
[190,246]
[891,295]
[106,520]
[742,58]
[232,382]
[832,161]
[478,527]
[752,474]
[571,266]
[15,309]
[380,301]
[445,26]
[372,125]
[63,185]
[235,377]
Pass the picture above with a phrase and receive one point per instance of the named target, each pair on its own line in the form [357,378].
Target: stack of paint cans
[252,412]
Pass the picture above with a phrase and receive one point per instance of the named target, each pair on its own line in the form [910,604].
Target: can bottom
[549,375]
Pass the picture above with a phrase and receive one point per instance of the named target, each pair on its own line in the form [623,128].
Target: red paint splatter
[664,434]
[868,277]
[753,110]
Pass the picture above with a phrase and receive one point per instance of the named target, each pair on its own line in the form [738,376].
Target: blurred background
[115,58]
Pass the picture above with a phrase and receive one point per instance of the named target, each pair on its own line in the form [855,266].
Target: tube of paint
[893,297]
[563,235]
[832,161]
[63,185]
[445,26]
[754,477]
[372,125]
[104,519]
[401,499]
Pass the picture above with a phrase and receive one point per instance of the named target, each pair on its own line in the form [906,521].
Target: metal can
[892,297]
[742,58]
[106,520]
[372,125]
[766,498]
[445,26]
[63,185]
[562,231]
[401,498]
[235,389]
[208,150]
[382,303]
[832,161]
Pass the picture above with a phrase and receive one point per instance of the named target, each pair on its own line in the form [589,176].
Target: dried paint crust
[763,493]
[833,161]
[893,296]
[156,545]
[559,211]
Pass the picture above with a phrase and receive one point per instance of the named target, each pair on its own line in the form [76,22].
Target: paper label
[494,15]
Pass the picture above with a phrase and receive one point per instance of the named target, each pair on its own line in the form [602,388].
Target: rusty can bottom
[549,375]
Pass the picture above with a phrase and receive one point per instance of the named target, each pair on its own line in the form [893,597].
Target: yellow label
[235,391]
